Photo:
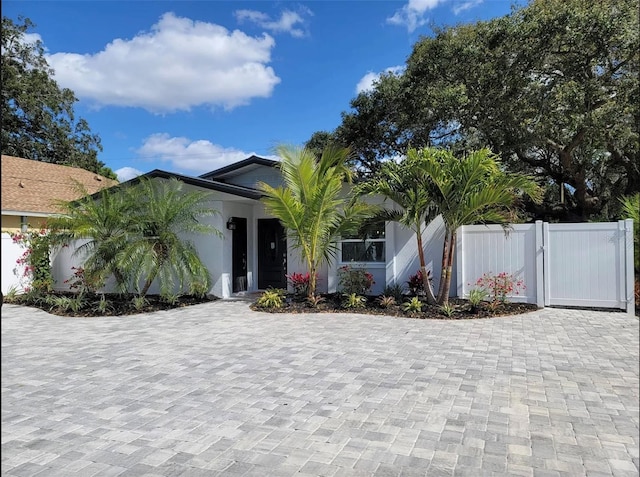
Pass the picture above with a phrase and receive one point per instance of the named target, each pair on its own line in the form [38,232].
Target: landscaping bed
[460,309]
[108,304]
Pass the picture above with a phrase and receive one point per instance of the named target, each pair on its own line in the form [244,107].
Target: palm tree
[466,191]
[104,223]
[312,204]
[404,184]
[131,232]
[156,248]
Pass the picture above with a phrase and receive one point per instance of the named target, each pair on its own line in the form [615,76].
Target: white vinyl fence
[11,252]
[583,265]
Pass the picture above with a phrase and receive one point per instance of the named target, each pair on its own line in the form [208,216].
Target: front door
[239,255]
[272,254]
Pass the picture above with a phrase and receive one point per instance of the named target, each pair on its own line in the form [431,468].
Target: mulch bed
[118,305]
[333,304]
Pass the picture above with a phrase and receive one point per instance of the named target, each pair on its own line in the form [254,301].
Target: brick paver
[217,389]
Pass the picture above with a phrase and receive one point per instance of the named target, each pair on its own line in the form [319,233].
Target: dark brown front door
[272,254]
[239,254]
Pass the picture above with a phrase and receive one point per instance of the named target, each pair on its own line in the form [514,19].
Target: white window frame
[367,241]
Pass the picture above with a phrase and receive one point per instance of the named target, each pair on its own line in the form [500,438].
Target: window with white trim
[371,249]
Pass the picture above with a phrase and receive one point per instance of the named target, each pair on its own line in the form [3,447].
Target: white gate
[585,265]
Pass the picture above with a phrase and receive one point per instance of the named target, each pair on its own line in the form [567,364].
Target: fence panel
[487,249]
[585,264]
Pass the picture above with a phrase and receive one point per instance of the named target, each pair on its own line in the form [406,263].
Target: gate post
[539,260]
[628,266]
[460,258]
[546,257]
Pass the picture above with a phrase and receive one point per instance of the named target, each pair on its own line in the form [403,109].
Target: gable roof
[36,186]
[233,169]
[204,183]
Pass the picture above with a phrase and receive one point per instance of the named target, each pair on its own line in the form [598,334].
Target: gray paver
[217,389]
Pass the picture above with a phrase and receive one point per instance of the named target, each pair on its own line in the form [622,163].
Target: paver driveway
[217,389]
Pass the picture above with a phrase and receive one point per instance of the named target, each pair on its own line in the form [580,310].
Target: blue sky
[190,86]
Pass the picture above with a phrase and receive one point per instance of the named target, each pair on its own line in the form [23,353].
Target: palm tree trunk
[446,286]
[431,299]
[312,282]
[150,279]
[447,265]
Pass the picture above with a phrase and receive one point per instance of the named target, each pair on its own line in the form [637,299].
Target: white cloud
[31,38]
[127,173]
[287,23]
[367,82]
[413,14]
[466,6]
[177,65]
[182,155]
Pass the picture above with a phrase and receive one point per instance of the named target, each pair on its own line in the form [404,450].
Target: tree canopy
[38,119]
[552,88]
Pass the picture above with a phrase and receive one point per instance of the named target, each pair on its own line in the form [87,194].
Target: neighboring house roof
[239,167]
[34,187]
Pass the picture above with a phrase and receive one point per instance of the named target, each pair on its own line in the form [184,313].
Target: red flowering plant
[501,285]
[81,282]
[354,280]
[300,283]
[416,283]
[33,267]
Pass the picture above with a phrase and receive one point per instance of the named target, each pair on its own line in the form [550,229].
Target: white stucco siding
[405,256]
[210,248]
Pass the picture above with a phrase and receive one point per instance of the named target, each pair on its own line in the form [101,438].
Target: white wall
[10,253]
[407,261]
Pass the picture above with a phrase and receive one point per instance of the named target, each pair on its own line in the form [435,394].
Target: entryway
[272,254]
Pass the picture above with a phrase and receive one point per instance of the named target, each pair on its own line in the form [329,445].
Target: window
[372,249]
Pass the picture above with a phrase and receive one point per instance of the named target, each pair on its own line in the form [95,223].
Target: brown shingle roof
[35,186]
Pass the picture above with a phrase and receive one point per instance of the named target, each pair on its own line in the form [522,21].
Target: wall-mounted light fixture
[231,225]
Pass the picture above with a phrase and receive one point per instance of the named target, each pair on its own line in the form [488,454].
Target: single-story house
[253,254]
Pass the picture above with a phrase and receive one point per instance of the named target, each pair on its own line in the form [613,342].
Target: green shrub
[477,296]
[354,280]
[353,300]
[171,298]
[103,306]
[66,303]
[272,298]
[414,305]
[448,309]
[139,302]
